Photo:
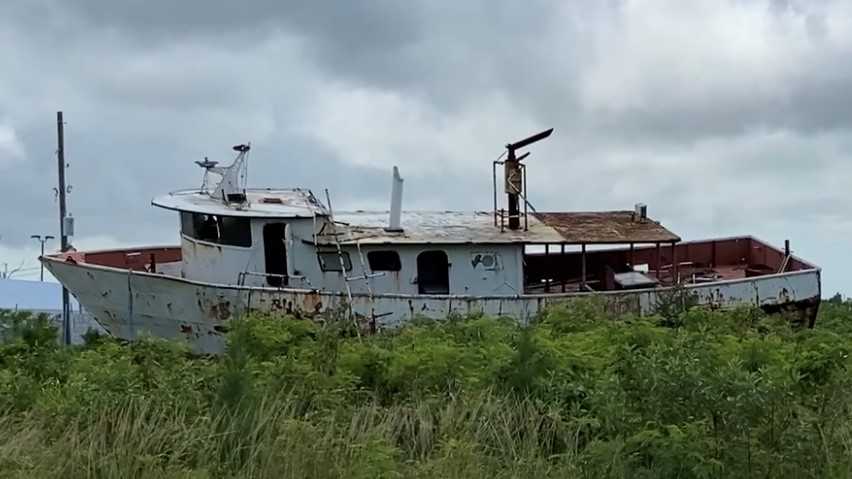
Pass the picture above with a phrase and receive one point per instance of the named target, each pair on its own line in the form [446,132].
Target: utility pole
[42,241]
[60,155]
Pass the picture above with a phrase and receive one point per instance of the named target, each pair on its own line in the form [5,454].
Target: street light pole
[42,241]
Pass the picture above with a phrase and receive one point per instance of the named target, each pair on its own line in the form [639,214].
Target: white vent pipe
[396,202]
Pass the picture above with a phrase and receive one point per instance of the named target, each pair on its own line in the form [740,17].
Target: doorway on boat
[275,250]
[433,272]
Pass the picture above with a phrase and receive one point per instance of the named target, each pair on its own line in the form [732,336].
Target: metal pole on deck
[583,267]
[674,263]
[546,256]
[786,261]
[60,157]
[494,179]
[659,261]
[632,257]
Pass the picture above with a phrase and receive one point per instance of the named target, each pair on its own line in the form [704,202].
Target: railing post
[675,269]
[546,258]
[659,260]
[130,304]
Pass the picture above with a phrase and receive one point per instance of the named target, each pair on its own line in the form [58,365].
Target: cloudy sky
[725,117]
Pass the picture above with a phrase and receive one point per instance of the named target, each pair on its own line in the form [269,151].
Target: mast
[515,177]
[231,188]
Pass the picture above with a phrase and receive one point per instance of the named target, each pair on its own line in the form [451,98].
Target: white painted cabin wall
[219,263]
[464,278]
[301,256]
[215,263]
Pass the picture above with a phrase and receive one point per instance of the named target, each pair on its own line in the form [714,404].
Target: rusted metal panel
[761,291]
[438,227]
[606,227]
[462,227]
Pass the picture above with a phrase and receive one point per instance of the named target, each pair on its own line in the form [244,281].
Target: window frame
[326,267]
[194,220]
[395,265]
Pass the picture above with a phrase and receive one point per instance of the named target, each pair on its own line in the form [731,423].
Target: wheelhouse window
[225,230]
[330,261]
[384,261]
[433,272]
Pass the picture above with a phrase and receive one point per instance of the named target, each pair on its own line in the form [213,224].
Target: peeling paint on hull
[129,304]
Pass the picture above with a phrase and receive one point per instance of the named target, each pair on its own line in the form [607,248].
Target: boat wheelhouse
[285,250]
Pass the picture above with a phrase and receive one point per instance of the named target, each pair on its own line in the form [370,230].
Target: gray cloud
[725,117]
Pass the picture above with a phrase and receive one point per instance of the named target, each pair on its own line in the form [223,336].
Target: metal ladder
[336,235]
[366,276]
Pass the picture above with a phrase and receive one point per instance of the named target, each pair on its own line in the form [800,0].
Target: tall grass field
[577,394]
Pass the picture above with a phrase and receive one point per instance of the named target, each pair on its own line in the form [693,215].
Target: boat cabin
[279,238]
[287,238]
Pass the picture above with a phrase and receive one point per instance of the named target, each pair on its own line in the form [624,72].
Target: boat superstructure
[244,249]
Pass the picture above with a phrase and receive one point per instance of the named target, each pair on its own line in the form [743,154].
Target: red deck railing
[136,259]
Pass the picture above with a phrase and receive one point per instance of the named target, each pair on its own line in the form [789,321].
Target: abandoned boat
[284,250]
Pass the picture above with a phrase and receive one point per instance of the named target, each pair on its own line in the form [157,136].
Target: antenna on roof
[207,164]
[231,189]
[515,178]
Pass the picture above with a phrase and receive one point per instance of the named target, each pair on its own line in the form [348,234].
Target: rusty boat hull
[129,299]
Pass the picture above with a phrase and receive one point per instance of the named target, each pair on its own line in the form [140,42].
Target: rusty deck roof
[452,227]
[606,227]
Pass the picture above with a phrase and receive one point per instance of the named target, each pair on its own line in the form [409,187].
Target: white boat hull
[129,304]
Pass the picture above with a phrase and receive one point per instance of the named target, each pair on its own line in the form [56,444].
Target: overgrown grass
[578,394]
